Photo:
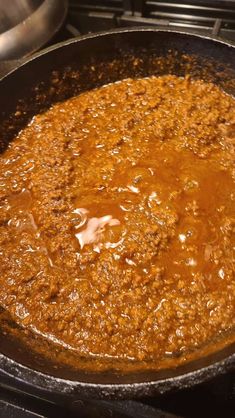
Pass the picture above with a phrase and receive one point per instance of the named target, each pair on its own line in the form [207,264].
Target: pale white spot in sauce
[94,229]
[191,262]
[221,273]
[130,262]
[182,237]
[133,189]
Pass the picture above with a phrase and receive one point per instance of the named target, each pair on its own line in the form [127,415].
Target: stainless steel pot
[26,25]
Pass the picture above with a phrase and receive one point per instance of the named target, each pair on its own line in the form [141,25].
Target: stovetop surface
[217,397]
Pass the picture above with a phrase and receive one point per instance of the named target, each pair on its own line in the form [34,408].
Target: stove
[215,398]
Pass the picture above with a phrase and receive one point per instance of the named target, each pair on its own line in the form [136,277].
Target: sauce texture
[117,220]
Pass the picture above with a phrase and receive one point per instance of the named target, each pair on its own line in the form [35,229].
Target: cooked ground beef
[117,220]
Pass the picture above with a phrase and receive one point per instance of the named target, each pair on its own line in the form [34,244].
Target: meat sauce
[117,220]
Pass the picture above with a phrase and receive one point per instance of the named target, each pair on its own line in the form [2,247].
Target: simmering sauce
[117,220]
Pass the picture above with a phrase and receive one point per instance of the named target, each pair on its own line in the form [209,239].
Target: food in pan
[117,220]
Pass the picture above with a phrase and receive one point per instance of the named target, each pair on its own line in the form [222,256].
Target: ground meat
[117,220]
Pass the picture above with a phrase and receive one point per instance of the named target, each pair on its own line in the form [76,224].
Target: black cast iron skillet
[61,72]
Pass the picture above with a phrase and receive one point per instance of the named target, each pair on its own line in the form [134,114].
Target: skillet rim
[98,34]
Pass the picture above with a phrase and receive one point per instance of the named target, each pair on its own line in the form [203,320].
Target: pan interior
[60,74]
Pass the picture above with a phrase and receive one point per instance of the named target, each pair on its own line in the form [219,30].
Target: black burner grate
[206,17]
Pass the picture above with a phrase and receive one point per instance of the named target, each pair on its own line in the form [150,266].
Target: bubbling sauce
[117,221]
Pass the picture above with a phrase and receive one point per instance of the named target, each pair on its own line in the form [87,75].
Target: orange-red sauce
[117,220]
